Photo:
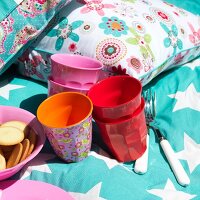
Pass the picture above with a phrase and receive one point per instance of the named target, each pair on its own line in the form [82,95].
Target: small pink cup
[75,70]
[54,88]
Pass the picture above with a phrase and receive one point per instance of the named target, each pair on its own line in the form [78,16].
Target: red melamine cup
[115,97]
[125,137]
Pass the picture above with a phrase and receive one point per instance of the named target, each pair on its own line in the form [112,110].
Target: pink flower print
[78,145]
[6,26]
[74,154]
[134,63]
[72,47]
[163,15]
[180,57]
[61,146]
[81,129]
[195,36]
[96,5]
[67,135]
[1,63]
[41,1]
[175,13]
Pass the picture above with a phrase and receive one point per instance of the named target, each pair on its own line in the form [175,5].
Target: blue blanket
[100,177]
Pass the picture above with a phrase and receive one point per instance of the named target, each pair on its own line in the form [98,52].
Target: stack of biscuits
[17,142]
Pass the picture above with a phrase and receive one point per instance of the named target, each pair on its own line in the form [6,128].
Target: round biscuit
[15,156]
[18,124]
[2,161]
[26,146]
[10,135]
[33,139]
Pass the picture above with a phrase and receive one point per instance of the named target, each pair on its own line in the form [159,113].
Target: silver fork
[150,113]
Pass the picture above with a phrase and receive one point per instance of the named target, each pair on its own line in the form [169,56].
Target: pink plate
[31,190]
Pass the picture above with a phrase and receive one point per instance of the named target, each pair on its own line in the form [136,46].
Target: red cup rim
[124,119]
[113,77]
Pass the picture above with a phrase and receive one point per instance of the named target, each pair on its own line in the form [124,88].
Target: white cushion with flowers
[137,37]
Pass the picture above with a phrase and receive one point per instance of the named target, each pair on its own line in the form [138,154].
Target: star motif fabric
[190,98]
[6,88]
[109,162]
[170,193]
[190,153]
[93,193]
[39,164]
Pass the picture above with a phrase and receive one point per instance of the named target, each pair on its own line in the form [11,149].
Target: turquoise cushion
[21,21]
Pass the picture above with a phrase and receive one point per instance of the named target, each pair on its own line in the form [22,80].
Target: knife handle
[141,164]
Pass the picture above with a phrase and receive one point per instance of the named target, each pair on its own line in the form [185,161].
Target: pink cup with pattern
[67,121]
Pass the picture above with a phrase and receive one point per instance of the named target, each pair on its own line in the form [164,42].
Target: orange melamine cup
[67,121]
[64,109]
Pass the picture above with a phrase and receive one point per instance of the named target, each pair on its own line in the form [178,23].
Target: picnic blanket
[101,177]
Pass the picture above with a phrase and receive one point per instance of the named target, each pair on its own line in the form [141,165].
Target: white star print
[6,88]
[192,65]
[18,1]
[170,193]
[190,98]
[109,162]
[91,194]
[190,153]
[37,164]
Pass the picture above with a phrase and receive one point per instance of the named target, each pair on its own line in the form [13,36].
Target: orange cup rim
[59,94]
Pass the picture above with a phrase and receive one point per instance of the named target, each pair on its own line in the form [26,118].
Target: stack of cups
[73,73]
[118,110]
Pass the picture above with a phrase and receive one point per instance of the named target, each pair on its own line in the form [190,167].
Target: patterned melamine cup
[67,121]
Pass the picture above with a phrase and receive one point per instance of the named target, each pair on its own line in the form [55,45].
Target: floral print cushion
[21,21]
[140,38]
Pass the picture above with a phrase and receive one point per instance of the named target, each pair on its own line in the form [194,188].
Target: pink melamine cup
[54,88]
[75,70]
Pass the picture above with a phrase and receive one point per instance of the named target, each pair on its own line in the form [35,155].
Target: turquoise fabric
[190,5]
[99,177]
[6,7]
[20,24]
